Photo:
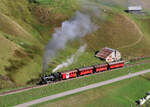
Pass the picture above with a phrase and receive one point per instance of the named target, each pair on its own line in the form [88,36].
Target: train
[59,76]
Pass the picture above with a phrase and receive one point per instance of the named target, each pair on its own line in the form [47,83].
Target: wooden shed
[109,55]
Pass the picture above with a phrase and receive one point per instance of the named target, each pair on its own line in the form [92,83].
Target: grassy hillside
[26,26]
[21,48]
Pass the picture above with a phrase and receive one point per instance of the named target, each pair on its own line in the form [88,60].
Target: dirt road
[52,97]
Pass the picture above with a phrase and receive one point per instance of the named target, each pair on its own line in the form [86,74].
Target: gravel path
[52,97]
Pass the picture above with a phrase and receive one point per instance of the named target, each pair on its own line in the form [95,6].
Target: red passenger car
[116,64]
[69,74]
[87,70]
[101,67]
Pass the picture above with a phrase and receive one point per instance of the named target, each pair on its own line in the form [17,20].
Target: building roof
[132,8]
[104,53]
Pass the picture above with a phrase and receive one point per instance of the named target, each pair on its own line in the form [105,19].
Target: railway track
[39,86]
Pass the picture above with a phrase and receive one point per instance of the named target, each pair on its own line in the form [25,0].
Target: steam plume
[77,27]
[71,59]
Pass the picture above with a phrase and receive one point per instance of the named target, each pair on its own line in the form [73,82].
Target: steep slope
[13,28]
[24,31]
[122,33]
[19,42]
[7,49]
[26,27]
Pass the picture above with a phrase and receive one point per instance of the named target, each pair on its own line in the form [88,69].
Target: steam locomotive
[58,76]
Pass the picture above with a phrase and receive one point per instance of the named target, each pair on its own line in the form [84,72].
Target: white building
[109,55]
[134,8]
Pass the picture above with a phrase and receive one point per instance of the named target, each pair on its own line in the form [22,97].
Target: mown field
[120,94]
[10,100]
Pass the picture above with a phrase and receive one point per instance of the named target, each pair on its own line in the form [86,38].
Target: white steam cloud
[71,59]
[79,26]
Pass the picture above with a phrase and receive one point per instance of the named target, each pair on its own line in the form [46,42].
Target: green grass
[119,94]
[39,22]
[85,59]
[64,86]
[24,32]
[20,40]
[60,6]
[143,22]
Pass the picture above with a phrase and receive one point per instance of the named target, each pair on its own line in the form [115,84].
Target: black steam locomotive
[58,76]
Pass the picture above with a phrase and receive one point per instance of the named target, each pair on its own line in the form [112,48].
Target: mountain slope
[26,27]
[19,41]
